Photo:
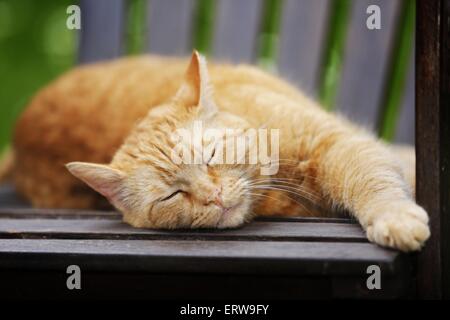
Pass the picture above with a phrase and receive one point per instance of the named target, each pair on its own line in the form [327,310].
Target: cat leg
[363,176]
[407,157]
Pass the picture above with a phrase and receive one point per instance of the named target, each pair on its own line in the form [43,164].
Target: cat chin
[233,219]
[235,223]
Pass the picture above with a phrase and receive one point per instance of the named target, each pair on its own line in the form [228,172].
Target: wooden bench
[268,258]
[290,258]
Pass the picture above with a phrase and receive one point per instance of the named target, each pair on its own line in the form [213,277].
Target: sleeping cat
[112,124]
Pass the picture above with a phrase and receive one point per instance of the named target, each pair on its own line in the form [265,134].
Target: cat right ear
[102,178]
[196,90]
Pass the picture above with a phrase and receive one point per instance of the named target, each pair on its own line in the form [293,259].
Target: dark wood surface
[112,229]
[200,256]
[432,142]
[192,287]
[268,258]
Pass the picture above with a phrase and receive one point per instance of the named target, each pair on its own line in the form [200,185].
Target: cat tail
[6,164]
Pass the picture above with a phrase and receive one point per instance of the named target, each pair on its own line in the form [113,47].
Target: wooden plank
[307,219]
[39,284]
[302,34]
[433,143]
[237,26]
[144,286]
[101,30]
[169,26]
[194,256]
[38,213]
[405,132]
[111,229]
[365,62]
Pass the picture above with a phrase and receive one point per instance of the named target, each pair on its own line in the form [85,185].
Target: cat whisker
[276,199]
[278,182]
[304,195]
[298,180]
[292,199]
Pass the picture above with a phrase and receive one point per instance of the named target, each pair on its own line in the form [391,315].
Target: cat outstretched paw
[402,226]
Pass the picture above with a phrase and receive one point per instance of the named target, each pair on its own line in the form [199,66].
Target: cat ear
[196,90]
[103,179]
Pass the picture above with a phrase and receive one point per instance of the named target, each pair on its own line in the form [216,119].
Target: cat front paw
[402,225]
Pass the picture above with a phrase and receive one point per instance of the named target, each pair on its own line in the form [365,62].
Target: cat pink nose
[216,197]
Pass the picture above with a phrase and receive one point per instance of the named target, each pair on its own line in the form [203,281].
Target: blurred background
[321,46]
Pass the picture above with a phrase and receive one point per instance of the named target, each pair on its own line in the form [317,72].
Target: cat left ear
[102,178]
[196,90]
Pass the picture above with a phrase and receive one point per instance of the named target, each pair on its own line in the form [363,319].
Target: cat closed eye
[171,195]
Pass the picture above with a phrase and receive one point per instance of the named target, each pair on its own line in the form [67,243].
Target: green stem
[135,26]
[333,53]
[402,50]
[268,41]
[204,25]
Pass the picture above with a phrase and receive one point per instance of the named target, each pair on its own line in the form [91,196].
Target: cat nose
[216,197]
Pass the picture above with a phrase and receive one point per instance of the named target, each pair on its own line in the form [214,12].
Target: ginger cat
[119,118]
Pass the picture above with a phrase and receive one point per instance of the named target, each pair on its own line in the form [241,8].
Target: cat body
[116,120]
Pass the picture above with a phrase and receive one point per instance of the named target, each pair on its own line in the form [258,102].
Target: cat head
[146,179]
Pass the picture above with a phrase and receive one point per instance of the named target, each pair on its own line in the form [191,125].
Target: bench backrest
[322,46]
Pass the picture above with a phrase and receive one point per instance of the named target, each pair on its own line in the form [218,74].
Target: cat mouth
[226,215]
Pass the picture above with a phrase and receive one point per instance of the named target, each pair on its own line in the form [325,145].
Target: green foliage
[35,46]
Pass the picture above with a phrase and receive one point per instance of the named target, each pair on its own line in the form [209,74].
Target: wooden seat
[322,257]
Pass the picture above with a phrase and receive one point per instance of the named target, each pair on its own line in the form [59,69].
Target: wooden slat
[433,143]
[39,213]
[365,62]
[235,34]
[307,219]
[12,206]
[41,285]
[193,256]
[406,122]
[302,31]
[169,26]
[111,229]
[101,30]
